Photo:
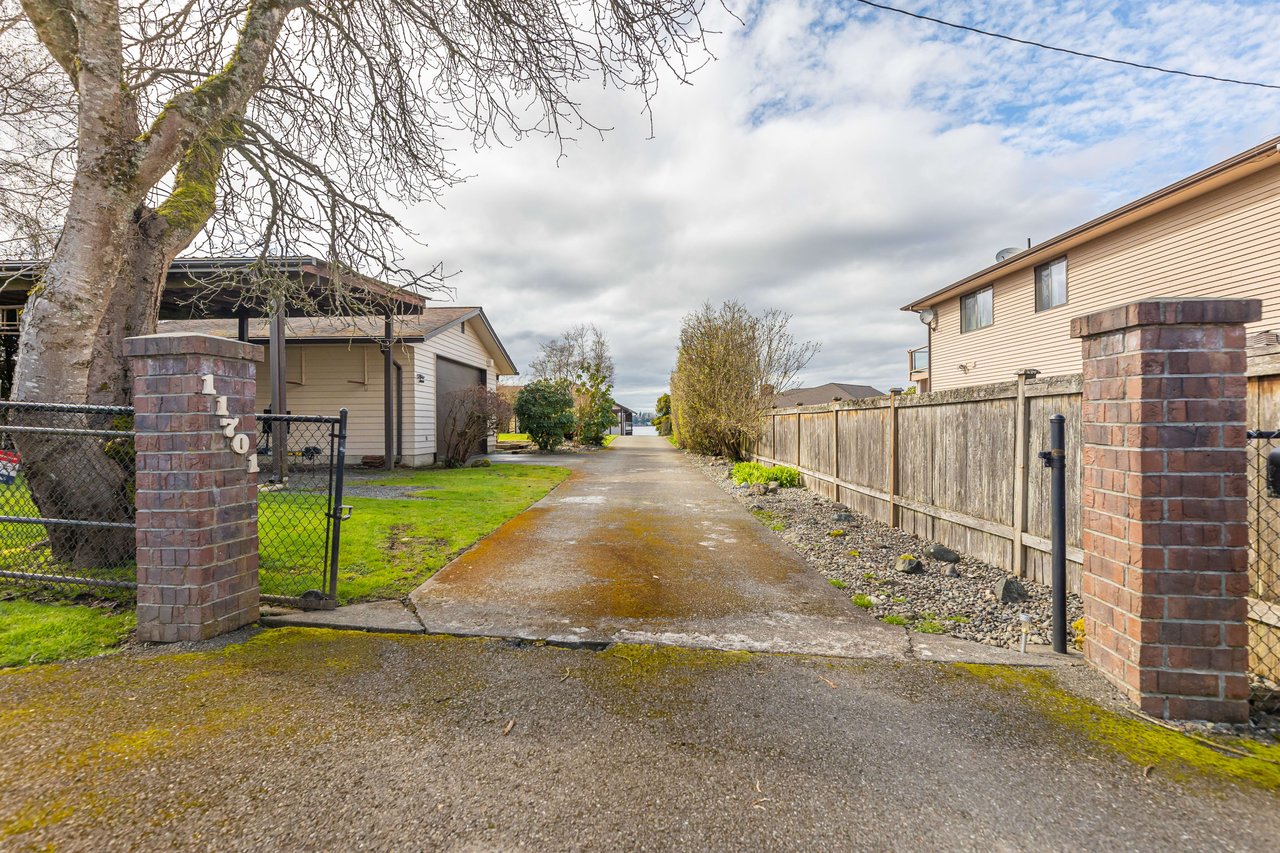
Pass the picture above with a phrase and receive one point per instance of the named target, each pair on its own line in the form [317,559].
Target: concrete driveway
[639,546]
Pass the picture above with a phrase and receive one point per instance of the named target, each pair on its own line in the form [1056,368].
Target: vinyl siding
[334,377]
[1223,244]
[452,343]
[326,378]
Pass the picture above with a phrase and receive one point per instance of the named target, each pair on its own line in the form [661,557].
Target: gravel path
[861,553]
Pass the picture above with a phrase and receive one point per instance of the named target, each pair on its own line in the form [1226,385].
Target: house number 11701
[238,440]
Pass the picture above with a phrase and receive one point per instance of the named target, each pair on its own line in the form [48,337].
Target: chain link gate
[67,484]
[1264,568]
[300,509]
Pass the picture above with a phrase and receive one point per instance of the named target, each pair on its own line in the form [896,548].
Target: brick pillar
[1164,518]
[196,496]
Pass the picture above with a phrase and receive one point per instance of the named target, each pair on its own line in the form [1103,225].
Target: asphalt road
[316,740]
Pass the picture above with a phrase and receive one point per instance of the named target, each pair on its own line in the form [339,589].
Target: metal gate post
[339,512]
[1055,459]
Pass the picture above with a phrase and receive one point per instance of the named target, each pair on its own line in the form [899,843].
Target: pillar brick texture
[1165,518]
[197,519]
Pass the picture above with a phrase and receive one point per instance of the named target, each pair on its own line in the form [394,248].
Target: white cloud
[836,163]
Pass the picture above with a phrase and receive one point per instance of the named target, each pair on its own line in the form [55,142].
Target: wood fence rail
[957,467]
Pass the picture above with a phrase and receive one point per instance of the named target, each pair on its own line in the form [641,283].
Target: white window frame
[1066,291]
[964,327]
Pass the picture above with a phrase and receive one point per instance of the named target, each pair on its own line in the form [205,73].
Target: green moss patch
[1167,752]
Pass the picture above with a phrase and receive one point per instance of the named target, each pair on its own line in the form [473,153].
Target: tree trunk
[134,307]
[91,478]
[71,477]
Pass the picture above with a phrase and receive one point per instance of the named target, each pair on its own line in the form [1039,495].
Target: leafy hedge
[754,472]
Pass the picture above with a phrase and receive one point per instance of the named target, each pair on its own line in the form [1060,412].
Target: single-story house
[339,362]
[1213,234]
[623,418]
[324,364]
[820,394]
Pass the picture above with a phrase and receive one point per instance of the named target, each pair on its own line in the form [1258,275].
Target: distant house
[623,420]
[339,362]
[824,394]
[1213,234]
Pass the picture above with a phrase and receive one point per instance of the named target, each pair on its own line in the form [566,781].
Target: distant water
[644,430]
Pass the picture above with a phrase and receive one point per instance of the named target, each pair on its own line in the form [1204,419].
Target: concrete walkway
[639,546]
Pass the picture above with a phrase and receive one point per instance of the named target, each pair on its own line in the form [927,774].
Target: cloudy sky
[836,161]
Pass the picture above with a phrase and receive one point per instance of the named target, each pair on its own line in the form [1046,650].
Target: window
[976,310]
[919,359]
[1051,284]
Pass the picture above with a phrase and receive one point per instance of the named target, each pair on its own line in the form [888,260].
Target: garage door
[454,376]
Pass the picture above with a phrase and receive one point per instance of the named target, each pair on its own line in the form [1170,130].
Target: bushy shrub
[545,411]
[754,472]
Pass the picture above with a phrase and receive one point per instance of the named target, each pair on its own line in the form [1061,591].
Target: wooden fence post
[893,456]
[835,450]
[1020,414]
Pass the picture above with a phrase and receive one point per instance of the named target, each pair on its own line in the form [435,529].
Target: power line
[1066,50]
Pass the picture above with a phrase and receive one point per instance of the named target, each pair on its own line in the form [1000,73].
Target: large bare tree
[131,130]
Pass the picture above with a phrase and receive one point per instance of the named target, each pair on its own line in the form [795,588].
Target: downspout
[399,410]
[388,424]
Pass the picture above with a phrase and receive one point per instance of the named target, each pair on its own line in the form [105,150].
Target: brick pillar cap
[186,343]
[1167,312]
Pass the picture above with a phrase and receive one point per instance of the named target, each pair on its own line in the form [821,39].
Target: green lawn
[389,546]
[32,632]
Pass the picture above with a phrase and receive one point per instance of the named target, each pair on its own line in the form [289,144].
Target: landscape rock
[951,572]
[1010,591]
[480,463]
[864,559]
[943,553]
[758,490]
[909,565]
[772,488]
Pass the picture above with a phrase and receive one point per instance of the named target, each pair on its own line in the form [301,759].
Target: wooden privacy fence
[957,467]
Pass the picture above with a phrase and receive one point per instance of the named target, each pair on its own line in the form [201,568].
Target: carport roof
[191,277]
[407,328]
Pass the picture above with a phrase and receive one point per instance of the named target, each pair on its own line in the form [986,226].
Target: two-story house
[1213,234]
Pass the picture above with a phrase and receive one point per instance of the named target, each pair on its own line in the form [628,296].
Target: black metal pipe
[1056,461]
[337,510]
[399,411]
[388,415]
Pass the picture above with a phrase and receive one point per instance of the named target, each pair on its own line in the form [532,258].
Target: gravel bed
[861,553]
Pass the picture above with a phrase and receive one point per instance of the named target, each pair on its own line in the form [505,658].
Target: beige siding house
[335,363]
[1215,233]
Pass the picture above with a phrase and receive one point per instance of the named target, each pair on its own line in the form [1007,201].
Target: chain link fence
[67,500]
[300,509]
[1264,570]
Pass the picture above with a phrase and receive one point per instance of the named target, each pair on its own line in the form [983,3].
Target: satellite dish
[1005,254]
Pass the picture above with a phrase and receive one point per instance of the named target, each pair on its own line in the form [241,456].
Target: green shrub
[754,472]
[864,601]
[894,619]
[837,583]
[545,411]
[928,626]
